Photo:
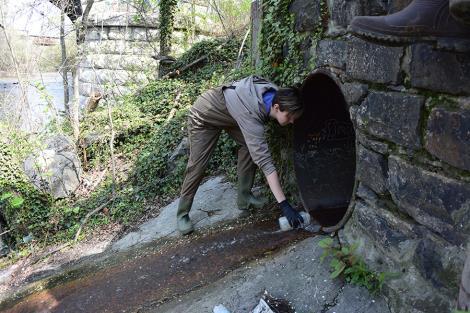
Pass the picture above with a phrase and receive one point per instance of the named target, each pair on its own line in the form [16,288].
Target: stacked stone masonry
[410,105]
[118,49]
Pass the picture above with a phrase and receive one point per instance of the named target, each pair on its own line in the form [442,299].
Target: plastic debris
[220,309]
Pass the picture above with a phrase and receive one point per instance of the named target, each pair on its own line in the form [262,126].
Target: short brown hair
[288,100]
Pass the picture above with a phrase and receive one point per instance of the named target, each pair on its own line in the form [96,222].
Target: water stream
[45,99]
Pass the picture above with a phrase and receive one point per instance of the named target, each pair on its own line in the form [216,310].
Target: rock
[307,14]
[439,70]
[341,13]
[307,52]
[215,202]
[425,268]
[373,63]
[366,194]
[117,33]
[56,169]
[372,170]
[92,139]
[374,145]
[60,143]
[464,293]
[180,151]
[95,35]
[447,136]
[353,299]
[331,53]
[393,116]
[440,203]
[395,237]
[354,93]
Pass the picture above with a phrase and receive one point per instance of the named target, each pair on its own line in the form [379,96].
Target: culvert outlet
[325,150]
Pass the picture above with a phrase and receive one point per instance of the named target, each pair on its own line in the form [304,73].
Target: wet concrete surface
[158,275]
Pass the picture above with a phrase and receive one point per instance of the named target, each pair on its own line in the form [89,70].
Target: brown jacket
[244,99]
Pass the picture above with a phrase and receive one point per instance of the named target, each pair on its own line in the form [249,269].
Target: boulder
[55,169]
[180,151]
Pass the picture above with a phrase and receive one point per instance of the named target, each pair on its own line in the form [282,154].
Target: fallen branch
[89,215]
[178,72]
[239,60]
[5,232]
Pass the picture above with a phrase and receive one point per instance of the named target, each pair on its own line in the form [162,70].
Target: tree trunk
[64,66]
[75,106]
[193,21]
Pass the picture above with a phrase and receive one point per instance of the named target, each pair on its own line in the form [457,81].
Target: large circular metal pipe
[325,151]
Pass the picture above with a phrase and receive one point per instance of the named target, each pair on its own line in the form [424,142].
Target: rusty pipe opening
[324,150]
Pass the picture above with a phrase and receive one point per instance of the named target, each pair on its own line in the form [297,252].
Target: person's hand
[294,218]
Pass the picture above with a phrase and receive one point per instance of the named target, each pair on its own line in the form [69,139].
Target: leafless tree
[21,81]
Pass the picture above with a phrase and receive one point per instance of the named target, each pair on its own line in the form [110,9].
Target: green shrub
[344,262]
[25,210]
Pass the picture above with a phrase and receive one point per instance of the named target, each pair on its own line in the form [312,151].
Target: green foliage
[167,17]
[282,61]
[354,270]
[24,209]
[280,45]
[151,169]
[130,125]
[149,125]
[220,54]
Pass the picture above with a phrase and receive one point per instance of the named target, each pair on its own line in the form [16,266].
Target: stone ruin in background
[118,48]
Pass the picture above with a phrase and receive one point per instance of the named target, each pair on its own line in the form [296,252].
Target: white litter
[262,307]
[220,309]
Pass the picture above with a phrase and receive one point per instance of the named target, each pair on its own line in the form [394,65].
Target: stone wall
[119,45]
[117,50]
[410,106]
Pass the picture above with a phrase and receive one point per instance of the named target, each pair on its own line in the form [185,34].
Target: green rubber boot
[183,222]
[246,200]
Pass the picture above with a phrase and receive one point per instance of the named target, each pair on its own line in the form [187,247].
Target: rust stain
[151,279]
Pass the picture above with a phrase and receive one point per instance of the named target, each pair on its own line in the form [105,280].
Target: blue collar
[268,98]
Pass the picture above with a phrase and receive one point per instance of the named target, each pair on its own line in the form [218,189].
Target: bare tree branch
[111,148]
[17,68]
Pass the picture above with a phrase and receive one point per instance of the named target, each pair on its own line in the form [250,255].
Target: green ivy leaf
[340,267]
[6,196]
[16,202]
[326,242]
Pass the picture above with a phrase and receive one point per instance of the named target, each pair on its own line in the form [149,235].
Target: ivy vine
[280,45]
[167,17]
[282,61]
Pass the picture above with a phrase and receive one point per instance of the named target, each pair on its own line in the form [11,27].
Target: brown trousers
[208,117]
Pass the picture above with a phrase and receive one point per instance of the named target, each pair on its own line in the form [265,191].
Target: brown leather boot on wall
[421,20]
[460,9]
